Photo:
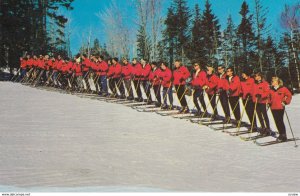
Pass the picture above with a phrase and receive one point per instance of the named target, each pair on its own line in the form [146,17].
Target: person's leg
[196,96]
[170,95]
[278,117]
[212,99]
[201,98]
[156,89]
[224,104]
[235,106]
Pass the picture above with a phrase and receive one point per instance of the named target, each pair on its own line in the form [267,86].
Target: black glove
[181,80]
[229,92]
[248,95]
[258,96]
[219,90]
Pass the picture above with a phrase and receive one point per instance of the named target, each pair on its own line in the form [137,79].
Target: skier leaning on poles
[154,78]
[280,96]
[233,92]
[199,80]
[166,82]
[137,71]
[110,73]
[261,98]
[117,78]
[144,77]
[180,74]
[127,71]
[222,88]
[211,89]
[102,72]
[247,85]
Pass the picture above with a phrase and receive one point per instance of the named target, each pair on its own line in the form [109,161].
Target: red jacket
[35,62]
[29,62]
[234,85]
[66,67]
[166,78]
[77,69]
[154,76]
[137,71]
[41,63]
[111,71]
[23,63]
[180,75]
[127,71]
[261,88]
[57,64]
[223,83]
[212,83]
[199,79]
[117,70]
[145,72]
[279,96]
[86,64]
[247,87]
[103,68]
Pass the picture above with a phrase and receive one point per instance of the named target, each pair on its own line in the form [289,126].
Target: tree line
[195,35]
[32,27]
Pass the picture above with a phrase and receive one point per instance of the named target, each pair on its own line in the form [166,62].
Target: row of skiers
[224,86]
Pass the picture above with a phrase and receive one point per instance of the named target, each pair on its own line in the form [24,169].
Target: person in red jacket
[118,80]
[110,73]
[165,77]
[154,78]
[127,71]
[137,71]
[146,69]
[280,97]
[222,88]
[103,69]
[211,89]
[180,74]
[261,95]
[199,80]
[247,84]
[23,67]
[77,69]
[233,92]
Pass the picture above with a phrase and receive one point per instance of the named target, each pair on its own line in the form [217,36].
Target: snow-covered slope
[51,141]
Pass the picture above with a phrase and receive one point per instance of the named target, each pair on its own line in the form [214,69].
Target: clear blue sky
[84,15]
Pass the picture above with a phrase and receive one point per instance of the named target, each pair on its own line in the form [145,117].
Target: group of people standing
[224,86]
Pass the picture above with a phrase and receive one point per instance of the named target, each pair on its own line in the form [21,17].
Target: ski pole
[253,118]
[148,98]
[290,128]
[240,121]
[215,107]
[166,95]
[209,104]
[234,108]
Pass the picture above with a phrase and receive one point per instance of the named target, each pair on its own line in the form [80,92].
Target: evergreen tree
[246,38]
[262,29]
[182,16]
[96,49]
[230,43]
[195,53]
[211,35]
[143,44]
[168,43]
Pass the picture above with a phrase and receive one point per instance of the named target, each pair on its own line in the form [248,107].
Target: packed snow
[50,141]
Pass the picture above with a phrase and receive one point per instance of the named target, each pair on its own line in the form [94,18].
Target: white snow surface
[51,141]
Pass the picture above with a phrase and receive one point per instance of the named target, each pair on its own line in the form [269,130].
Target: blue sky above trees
[84,16]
